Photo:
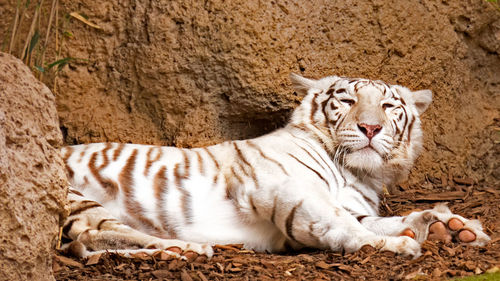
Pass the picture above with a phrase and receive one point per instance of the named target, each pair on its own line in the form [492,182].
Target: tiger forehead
[362,87]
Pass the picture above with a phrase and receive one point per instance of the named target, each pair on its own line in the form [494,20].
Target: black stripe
[316,172]
[322,159]
[313,158]
[360,218]
[263,155]
[67,227]
[84,208]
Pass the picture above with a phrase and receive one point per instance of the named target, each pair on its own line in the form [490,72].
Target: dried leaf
[94,259]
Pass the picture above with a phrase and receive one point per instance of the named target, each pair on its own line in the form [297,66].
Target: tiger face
[367,125]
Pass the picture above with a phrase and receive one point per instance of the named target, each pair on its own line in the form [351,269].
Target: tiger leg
[91,229]
[438,223]
[312,221]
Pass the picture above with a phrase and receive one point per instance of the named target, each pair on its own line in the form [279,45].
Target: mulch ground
[231,262]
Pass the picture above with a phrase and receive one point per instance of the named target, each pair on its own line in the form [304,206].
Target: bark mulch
[232,262]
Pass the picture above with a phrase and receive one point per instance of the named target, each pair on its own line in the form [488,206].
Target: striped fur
[311,183]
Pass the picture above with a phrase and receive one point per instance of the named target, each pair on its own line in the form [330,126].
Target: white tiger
[316,183]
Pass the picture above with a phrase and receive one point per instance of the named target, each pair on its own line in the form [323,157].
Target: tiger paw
[401,245]
[441,224]
[186,250]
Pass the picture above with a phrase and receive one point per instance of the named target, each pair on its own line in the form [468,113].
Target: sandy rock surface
[192,73]
[32,178]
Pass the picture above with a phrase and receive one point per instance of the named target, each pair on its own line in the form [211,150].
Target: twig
[30,33]
[49,25]
[14,27]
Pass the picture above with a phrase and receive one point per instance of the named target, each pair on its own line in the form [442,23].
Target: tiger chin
[314,183]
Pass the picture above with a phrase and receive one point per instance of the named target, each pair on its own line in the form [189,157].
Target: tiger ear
[301,84]
[422,99]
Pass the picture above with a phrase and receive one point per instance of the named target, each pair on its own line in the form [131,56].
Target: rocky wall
[192,73]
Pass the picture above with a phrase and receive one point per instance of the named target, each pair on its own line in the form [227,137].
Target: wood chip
[324,265]
[201,276]
[68,261]
[94,259]
[464,181]
[185,276]
[141,255]
[161,274]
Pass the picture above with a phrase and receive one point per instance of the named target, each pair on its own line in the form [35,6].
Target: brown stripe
[133,208]
[82,153]
[322,159]
[69,151]
[185,196]
[159,183]
[254,146]
[316,172]
[323,109]
[245,161]
[289,222]
[404,126]
[238,177]
[159,188]
[150,160]
[99,225]
[105,161]
[410,127]
[252,204]
[125,176]
[366,198]
[75,192]
[108,185]
[212,157]
[84,208]
[187,164]
[118,151]
[314,158]
[314,107]
[273,212]
[201,167]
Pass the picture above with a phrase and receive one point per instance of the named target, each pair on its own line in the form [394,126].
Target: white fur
[304,184]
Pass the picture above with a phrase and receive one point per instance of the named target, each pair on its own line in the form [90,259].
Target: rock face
[191,73]
[32,179]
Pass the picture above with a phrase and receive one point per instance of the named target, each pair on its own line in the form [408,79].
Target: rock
[172,73]
[32,178]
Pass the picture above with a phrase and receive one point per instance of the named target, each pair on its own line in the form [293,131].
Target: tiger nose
[369,130]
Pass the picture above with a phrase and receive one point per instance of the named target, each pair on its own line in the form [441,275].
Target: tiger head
[372,128]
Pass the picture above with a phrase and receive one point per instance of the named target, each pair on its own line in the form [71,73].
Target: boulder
[33,182]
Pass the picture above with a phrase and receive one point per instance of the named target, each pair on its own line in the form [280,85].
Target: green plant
[44,33]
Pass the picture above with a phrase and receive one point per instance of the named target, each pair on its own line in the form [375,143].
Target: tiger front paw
[401,245]
[186,250]
[441,224]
